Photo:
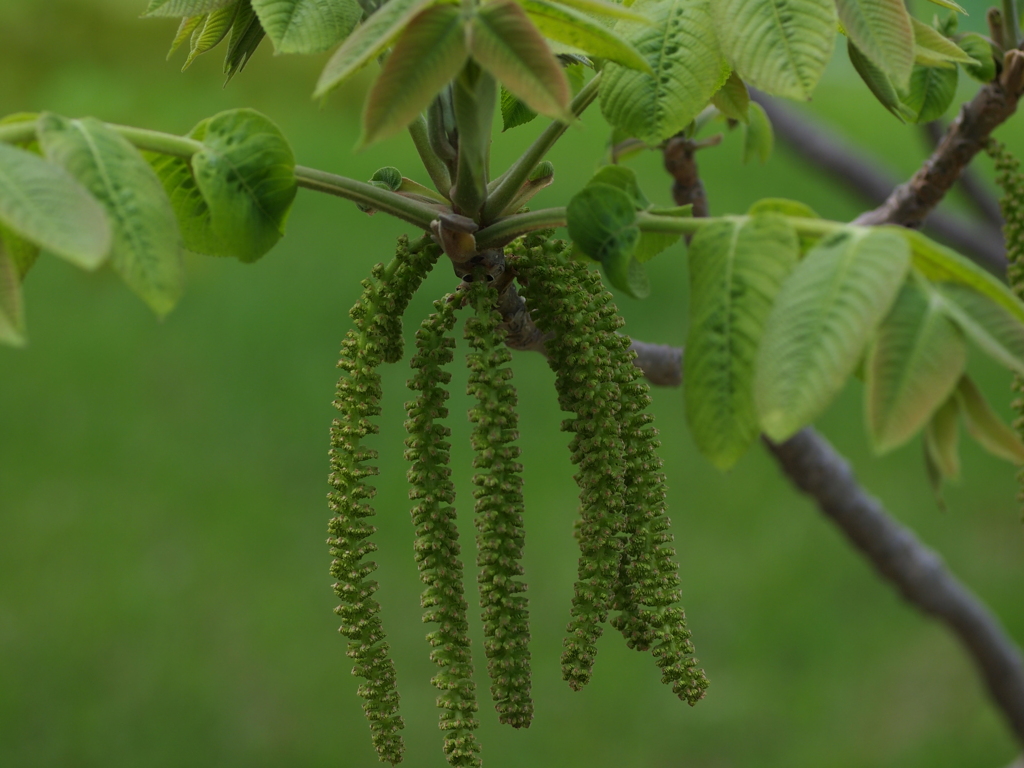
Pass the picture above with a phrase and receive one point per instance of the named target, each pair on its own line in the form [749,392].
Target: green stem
[436,168]
[474,97]
[1011,25]
[509,228]
[505,191]
[673,225]
[320,181]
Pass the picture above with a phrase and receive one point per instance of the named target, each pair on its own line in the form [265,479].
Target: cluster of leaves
[785,307]
[81,190]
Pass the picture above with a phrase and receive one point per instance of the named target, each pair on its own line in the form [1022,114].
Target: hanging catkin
[437,537]
[499,510]
[376,338]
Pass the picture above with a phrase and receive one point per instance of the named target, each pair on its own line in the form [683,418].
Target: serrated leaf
[504,41]
[565,25]
[603,9]
[368,41]
[307,26]
[736,269]
[758,137]
[989,325]
[146,248]
[235,197]
[513,111]
[979,49]
[12,312]
[931,92]
[913,366]
[215,28]
[985,427]
[779,46]
[941,439]
[47,206]
[944,265]
[878,83]
[823,318]
[185,29]
[732,99]
[882,31]
[679,44]
[933,50]
[427,55]
[602,224]
[246,35]
[622,178]
[177,8]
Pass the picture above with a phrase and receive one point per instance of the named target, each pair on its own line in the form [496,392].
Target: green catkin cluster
[437,537]
[627,561]
[1011,180]
[376,338]
[499,510]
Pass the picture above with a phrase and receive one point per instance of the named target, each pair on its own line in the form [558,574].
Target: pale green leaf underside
[307,26]
[45,205]
[370,39]
[950,5]
[985,426]
[914,365]
[177,8]
[779,46]
[679,45]
[215,28]
[732,99]
[882,31]
[573,28]
[824,316]
[602,8]
[931,92]
[736,269]
[994,329]
[504,41]
[429,52]
[12,315]
[931,48]
[146,250]
[877,82]
[941,438]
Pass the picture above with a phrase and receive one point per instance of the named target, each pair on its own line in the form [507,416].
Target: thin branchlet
[376,338]
[499,510]
[437,536]
[1011,181]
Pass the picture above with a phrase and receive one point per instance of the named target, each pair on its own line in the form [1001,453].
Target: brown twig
[971,184]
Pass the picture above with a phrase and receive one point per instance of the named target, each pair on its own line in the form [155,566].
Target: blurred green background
[164,596]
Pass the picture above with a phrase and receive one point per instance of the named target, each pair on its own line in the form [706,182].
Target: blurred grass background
[164,596]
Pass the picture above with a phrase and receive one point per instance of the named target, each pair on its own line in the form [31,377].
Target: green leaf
[246,35]
[234,198]
[933,50]
[941,438]
[950,5]
[513,112]
[602,224]
[146,249]
[185,29]
[913,366]
[732,99]
[985,427]
[621,177]
[736,269]
[758,137]
[882,31]
[931,92]
[824,316]
[779,46]
[23,253]
[505,42]
[184,7]
[565,25]
[307,26]
[215,28]
[786,207]
[12,312]
[603,9]
[978,48]
[45,205]
[944,265]
[368,41]
[878,83]
[680,47]
[995,330]
[430,51]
